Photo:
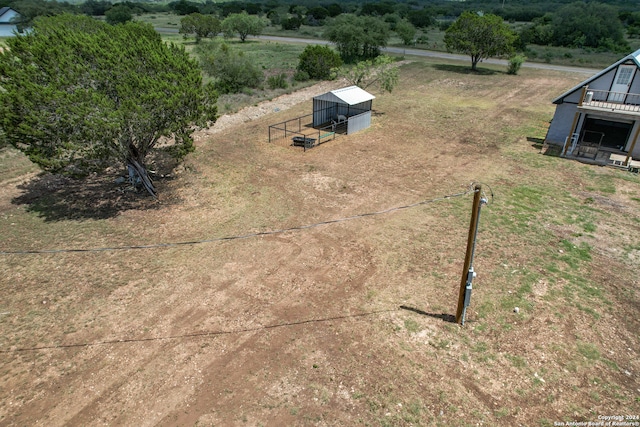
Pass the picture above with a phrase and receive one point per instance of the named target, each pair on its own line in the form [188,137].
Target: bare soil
[343,323]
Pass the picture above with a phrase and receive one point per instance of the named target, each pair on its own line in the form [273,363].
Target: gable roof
[351,95]
[5,12]
[635,57]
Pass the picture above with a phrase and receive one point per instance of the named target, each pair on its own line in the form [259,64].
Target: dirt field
[341,324]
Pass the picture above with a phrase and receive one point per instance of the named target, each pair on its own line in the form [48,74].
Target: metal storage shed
[350,105]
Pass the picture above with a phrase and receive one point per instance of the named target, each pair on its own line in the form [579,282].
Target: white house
[599,119]
[7,27]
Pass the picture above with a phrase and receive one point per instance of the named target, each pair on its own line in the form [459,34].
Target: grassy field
[435,36]
[276,57]
[161,20]
[339,324]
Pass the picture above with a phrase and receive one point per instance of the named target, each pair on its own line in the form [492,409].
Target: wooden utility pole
[468,274]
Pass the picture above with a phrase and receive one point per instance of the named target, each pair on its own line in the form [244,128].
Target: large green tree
[200,25]
[118,14]
[231,70]
[421,18]
[184,7]
[242,24]
[589,24]
[480,36]
[79,95]
[358,37]
[406,31]
[319,61]
[579,24]
[95,7]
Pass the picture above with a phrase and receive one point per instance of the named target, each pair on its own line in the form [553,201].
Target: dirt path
[280,103]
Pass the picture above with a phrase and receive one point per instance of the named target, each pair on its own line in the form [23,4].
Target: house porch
[592,153]
[607,126]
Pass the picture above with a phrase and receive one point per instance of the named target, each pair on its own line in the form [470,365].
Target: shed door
[621,83]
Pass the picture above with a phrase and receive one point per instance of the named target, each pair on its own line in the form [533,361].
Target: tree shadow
[59,198]
[460,69]
[443,316]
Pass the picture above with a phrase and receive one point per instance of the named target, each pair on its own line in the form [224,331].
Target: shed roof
[351,95]
[634,57]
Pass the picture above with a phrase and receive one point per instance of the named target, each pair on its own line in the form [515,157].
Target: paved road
[443,55]
[423,53]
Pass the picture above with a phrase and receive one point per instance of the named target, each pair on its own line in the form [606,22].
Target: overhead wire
[237,237]
[200,334]
[220,239]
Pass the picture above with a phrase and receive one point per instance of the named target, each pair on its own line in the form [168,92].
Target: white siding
[359,122]
[7,30]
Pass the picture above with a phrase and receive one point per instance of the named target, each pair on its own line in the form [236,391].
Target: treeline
[603,25]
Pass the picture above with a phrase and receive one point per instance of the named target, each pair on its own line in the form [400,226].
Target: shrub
[301,76]
[291,24]
[515,62]
[3,139]
[318,61]
[444,25]
[278,81]
[232,71]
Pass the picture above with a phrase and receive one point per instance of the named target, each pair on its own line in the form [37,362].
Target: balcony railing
[612,101]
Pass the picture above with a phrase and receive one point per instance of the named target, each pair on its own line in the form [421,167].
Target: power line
[197,334]
[237,237]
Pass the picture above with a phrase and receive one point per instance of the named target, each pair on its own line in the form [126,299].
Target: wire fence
[301,132]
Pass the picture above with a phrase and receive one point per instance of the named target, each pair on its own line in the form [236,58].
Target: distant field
[435,37]
[278,57]
[544,54]
[167,19]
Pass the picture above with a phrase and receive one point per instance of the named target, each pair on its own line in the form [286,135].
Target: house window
[624,76]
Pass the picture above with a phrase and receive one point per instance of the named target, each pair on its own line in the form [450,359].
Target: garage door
[614,134]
